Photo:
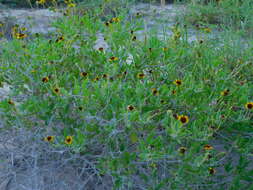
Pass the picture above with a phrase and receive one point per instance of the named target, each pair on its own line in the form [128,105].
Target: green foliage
[234,14]
[18,3]
[32,3]
[128,115]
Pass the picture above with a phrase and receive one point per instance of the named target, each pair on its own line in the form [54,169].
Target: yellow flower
[211,171]
[183,119]
[66,12]
[107,23]
[10,102]
[201,41]
[83,74]
[71,5]
[80,108]
[141,75]
[113,58]
[20,35]
[182,150]
[130,108]
[178,82]
[115,19]
[24,29]
[249,105]
[41,2]
[59,39]
[138,14]
[165,49]
[162,101]
[96,79]
[68,1]
[155,91]
[225,92]
[49,139]
[208,147]
[45,79]
[207,30]
[68,140]
[56,90]
[105,76]
[101,49]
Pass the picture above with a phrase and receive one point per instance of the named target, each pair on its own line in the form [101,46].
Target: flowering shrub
[29,3]
[148,114]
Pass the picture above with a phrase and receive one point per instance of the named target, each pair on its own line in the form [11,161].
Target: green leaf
[133,137]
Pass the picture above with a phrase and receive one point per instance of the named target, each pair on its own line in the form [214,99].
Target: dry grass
[27,162]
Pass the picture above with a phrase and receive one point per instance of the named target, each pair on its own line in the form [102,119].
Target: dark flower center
[183,119]
[179,82]
[250,106]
